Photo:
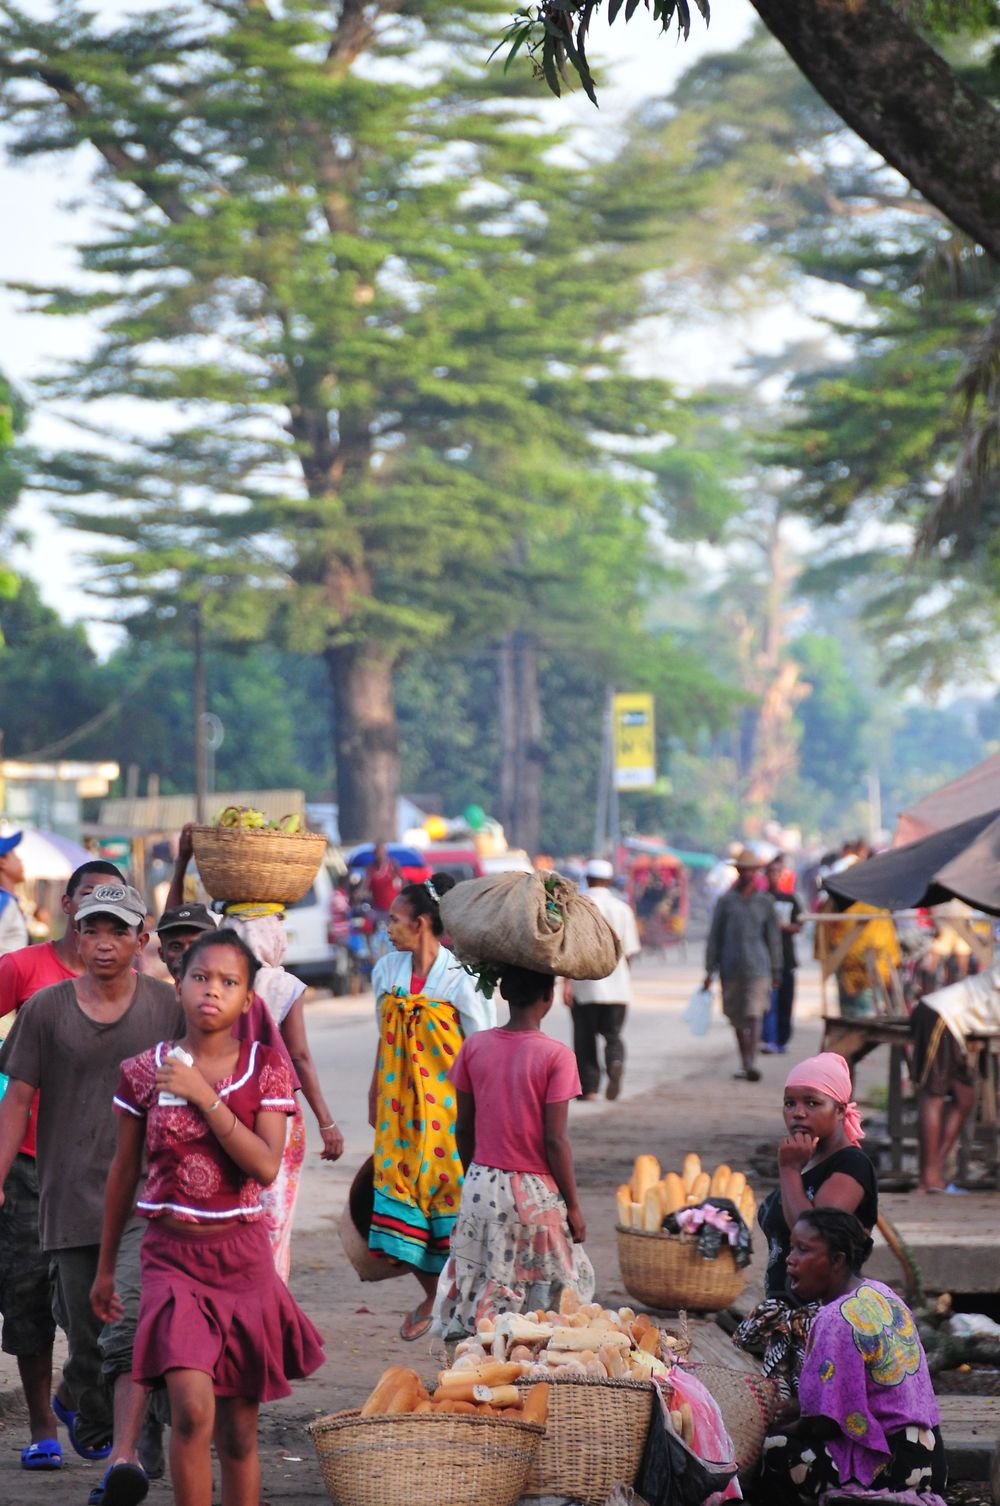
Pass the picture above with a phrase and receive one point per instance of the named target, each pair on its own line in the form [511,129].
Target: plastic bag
[699,1011]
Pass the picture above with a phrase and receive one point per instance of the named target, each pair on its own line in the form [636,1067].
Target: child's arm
[293,1033]
[465,1128]
[256,1151]
[119,1201]
[560,1159]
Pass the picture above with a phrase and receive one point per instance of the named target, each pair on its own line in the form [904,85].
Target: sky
[47,212]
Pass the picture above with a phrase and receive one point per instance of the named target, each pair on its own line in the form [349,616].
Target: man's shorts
[745,999]
[26,1281]
[938,1060]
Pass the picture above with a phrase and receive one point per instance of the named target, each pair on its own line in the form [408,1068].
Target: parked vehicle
[460,862]
[312,954]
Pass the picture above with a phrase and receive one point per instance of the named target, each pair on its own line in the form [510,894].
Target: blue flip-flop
[45,1454]
[68,1420]
[124,1484]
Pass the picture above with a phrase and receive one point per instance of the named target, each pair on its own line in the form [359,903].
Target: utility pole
[199,696]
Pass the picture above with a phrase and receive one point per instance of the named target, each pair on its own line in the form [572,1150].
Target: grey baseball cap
[119,900]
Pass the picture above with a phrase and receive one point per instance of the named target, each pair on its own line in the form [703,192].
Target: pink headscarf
[829,1073]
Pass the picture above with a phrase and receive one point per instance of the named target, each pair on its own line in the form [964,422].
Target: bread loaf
[536,1404]
[623,1199]
[698,1192]
[674,1192]
[645,1175]
[652,1211]
[691,1172]
[720,1176]
[384,1387]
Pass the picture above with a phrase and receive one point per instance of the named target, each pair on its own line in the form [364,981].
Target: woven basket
[430,1460]
[353,1228]
[748,1404]
[594,1437]
[666,1271]
[274,867]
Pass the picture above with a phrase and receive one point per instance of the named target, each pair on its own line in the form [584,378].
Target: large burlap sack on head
[516,918]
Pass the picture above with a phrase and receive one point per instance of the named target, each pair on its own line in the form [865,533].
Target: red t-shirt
[23,973]
[512,1075]
[188,1172]
[383,885]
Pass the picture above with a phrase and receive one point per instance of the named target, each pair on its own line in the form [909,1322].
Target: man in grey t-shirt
[744,948]
[69,1043]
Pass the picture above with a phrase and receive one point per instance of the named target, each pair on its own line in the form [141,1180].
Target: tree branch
[900,96]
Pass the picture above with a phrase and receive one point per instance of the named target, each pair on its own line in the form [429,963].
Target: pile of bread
[484,1391]
[578,1340]
[645,1201]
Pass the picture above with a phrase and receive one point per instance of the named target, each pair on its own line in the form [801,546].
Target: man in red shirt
[384,880]
[26,1286]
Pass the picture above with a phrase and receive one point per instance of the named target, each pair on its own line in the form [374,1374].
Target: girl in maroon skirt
[216,1323]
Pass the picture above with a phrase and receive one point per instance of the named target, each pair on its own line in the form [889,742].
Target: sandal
[68,1420]
[414,1326]
[45,1454]
[124,1484]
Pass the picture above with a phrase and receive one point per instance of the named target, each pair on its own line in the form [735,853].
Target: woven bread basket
[667,1271]
[240,863]
[433,1459]
[748,1403]
[594,1437]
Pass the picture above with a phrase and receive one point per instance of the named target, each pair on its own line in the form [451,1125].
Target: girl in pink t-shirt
[518,1238]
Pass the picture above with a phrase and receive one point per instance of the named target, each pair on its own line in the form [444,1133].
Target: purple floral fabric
[866,1370]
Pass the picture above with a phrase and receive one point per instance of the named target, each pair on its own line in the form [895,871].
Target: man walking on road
[744,948]
[68,1046]
[599,1006]
[26,1288]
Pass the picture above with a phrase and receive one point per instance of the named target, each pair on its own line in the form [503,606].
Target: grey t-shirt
[74,1062]
[744,940]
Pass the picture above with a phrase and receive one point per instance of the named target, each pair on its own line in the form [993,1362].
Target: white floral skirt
[511,1251]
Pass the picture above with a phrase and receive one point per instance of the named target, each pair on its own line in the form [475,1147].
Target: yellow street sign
[635,742]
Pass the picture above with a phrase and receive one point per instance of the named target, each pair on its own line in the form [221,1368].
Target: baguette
[676,1421]
[674,1192]
[613,1361]
[720,1177]
[384,1386]
[699,1190]
[652,1211]
[536,1404]
[735,1186]
[646,1174]
[576,1340]
[747,1206]
[692,1170]
[635,1220]
[650,1341]
[498,1396]
[623,1199]
[569,1302]
[687,1424]
[405,1397]
[492,1373]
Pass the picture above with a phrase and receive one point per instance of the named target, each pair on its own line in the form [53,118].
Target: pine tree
[374,319]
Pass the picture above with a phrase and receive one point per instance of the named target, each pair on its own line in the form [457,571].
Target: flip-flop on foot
[45,1454]
[68,1420]
[414,1326]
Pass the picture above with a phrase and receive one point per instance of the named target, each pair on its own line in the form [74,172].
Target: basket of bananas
[243,856]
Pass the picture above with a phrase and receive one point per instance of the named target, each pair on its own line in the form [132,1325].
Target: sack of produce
[534,920]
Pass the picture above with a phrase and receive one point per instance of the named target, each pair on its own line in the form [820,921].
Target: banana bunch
[646,1201]
[248,819]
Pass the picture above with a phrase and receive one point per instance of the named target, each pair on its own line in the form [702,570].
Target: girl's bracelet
[324,1127]
[229,1131]
[213,1106]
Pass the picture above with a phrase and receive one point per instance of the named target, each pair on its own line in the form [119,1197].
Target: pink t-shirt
[512,1075]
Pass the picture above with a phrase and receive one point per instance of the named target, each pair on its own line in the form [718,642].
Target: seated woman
[867,1415]
[819,1164]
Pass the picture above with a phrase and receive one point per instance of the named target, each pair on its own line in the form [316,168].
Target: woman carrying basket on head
[426,1005]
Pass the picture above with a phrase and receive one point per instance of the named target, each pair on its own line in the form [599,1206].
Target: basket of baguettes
[598,1365]
[667,1270]
[471,1443]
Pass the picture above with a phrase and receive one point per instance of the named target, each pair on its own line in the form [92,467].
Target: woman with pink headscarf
[820,1164]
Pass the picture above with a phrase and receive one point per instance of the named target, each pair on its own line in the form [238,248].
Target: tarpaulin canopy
[961,862]
[974,793]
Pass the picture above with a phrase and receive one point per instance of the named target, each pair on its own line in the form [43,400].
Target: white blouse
[447,980]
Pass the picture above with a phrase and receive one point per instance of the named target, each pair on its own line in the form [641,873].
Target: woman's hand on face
[796,1150]
[174,1076]
[333,1143]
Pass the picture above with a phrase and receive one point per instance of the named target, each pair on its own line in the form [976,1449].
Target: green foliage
[50,680]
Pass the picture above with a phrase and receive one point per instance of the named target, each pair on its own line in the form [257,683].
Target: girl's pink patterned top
[189,1174]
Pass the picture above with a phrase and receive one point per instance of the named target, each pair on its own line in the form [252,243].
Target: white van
[311,955]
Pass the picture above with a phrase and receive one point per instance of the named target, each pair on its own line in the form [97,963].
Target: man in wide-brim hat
[744,949]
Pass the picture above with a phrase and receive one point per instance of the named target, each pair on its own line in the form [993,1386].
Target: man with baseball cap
[68,1044]
[599,1006]
[177,929]
[744,948]
[13,926]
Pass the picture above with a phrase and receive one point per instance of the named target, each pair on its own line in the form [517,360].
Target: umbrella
[412,864]
[960,862]
[46,855]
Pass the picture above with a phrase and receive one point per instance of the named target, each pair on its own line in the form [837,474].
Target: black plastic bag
[670,1474]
